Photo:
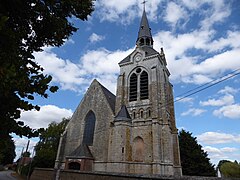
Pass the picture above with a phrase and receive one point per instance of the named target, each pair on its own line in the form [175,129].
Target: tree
[229,169]
[7,150]
[194,160]
[47,147]
[25,27]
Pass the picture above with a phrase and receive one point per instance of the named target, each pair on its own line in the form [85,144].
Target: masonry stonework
[132,132]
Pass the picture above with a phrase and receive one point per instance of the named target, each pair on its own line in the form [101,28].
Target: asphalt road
[6,175]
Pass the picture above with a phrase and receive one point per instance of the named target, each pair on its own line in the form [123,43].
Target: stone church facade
[132,132]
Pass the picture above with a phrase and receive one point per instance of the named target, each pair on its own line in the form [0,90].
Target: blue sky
[201,40]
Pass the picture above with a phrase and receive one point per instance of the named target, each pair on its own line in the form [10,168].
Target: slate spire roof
[123,114]
[144,32]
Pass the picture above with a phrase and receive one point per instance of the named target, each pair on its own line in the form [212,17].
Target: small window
[149,113]
[148,41]
[122,149]
[138,70]
[141,114]
[133,88]
[134,115]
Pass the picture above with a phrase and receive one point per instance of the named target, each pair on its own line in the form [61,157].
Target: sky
[201,41]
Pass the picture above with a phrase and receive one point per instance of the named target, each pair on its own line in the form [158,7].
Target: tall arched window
[89,128]
[133,88]
[138,149]
[143,85]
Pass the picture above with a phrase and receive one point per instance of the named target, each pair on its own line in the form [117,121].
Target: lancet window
[89,128]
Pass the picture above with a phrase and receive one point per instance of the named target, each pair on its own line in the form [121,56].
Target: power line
[208,85]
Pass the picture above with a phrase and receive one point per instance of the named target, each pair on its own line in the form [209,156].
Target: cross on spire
[144,2]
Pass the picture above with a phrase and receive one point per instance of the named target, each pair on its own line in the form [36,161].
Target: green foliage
[229,169]
[46,148]
[25,27]
[26,154]
[194,160]
[7,150]
[220,163]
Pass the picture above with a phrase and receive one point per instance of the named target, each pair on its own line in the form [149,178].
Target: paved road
[6,175]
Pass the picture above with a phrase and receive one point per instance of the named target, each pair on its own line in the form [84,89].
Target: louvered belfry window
[89,128]
[143,85]
[133,88]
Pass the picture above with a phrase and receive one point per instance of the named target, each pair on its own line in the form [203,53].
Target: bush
[1,168]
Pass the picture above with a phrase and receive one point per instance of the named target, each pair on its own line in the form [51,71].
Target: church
[132,132]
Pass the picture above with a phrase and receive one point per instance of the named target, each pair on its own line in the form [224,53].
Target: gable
[101,102]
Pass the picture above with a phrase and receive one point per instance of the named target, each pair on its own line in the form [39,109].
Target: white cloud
[217,13]
[68,74]
[113,11]
[217,154]
[174,13]
[218,138]
[46,115]
[229,111]
[225,100]
[193,112]
[198,69]
[96,38]
[100,64]
[229,149]
[125,12]
[228,90]
[103,65]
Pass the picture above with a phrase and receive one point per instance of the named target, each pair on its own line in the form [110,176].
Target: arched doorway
[138,149]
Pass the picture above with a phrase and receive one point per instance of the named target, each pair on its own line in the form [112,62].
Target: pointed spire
[144,33]
[123,114]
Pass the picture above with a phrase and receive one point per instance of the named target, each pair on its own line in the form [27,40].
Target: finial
[162,52]
[144,2]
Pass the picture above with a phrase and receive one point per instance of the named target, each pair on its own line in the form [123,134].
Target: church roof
[82,151]
[123,114]
[149,51]
[111,98]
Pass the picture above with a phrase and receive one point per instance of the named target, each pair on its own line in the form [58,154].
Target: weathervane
[144,2]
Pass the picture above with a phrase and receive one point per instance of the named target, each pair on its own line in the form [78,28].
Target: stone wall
[48,174]
[43,173]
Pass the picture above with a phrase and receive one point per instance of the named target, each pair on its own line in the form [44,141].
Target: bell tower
[144,136]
